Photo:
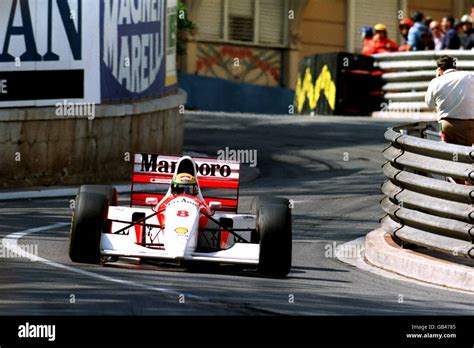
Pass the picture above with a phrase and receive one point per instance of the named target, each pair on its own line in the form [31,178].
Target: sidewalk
[381,251]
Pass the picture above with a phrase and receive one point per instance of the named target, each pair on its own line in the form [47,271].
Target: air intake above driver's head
[186,165]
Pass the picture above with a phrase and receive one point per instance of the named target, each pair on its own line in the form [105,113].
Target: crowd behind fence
[406,76]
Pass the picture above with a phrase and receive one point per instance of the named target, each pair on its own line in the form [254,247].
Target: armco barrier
[428,196]
[406,76]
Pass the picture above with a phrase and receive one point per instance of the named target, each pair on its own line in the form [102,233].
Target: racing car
[174,219]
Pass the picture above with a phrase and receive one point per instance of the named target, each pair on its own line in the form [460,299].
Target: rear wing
[217,179]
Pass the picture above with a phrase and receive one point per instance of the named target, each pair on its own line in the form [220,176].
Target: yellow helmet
[380,27]
[184,183]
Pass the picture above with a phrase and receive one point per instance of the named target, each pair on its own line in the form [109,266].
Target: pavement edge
[381,251]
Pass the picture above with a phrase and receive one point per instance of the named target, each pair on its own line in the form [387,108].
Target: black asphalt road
[329,166]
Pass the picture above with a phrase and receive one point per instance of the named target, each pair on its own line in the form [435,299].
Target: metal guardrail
[423,207]
[407,75]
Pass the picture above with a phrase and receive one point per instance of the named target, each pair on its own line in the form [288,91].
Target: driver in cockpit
[184,183]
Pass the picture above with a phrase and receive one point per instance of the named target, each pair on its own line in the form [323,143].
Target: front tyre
[88,222]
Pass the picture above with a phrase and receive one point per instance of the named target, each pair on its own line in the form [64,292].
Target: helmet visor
[184,189]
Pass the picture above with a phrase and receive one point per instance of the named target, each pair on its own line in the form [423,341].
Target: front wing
[120,245]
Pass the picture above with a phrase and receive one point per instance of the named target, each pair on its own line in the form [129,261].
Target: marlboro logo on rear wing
[219,178]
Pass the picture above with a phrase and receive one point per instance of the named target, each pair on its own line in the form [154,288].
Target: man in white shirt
[452,93]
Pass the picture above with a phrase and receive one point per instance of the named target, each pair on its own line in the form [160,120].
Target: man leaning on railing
[452,93]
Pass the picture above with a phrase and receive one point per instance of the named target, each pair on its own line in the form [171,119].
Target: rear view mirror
[151,201]
[215,205]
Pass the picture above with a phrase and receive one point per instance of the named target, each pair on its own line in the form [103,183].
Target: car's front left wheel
[88,222]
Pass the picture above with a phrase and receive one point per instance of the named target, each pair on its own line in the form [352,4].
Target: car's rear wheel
[258,201]
[275,237]
[255,205]
[88,222]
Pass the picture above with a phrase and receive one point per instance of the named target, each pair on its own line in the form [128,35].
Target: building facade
[262,41]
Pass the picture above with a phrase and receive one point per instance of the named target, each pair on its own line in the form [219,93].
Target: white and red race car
[177,222]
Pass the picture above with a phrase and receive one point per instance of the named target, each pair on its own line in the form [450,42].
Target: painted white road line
[10,242]
[358,260]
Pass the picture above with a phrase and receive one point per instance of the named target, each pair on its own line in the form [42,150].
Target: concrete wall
[37,147]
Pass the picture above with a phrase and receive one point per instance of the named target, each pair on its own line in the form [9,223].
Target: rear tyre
[258,201]
[275,238]
[88,222]
[255,205]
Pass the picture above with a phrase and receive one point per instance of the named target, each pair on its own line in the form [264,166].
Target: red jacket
[385,45]
[368,47]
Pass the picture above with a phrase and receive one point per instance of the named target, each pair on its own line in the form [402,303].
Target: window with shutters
[258,22]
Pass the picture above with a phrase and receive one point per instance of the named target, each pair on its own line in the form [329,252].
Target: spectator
[468,32]
[451,39]
[404,26]
[382,43]
[417,36]
[438,35]
[427,40]
[451,93]
[367,36]
[469,43]
[428,21]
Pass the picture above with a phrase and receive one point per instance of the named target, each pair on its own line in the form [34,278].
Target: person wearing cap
[404,27]
[465,26]
[417,35]
[451,39]
[438,34]
[367,36]
[468,37]
[452,93]
[382,43]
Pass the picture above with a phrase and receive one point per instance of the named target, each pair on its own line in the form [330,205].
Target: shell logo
[181,230]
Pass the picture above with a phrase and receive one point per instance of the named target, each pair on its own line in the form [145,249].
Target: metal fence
[429,195]
[407,75]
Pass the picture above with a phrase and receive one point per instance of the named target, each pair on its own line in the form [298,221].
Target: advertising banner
[49,52]
[133,34]
[171,41]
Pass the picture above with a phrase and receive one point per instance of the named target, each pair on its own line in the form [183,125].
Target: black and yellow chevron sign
[305,90]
